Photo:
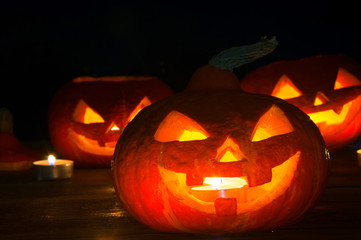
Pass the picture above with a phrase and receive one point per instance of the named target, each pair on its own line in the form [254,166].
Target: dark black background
[45,44]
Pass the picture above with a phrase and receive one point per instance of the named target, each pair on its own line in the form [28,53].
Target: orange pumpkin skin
[154,173]
[328,89]
[84,112]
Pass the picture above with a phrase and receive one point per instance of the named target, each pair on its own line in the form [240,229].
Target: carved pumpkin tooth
[260,177]
[226,206]
[338,109]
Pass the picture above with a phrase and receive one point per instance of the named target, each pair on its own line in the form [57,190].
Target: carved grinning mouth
[92,146]
[235,200]
[330,117]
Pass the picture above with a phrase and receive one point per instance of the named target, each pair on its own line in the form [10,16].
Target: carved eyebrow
[272,123]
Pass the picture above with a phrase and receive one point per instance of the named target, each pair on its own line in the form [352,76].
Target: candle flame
[51,159]
[225,182]
[115,128]
[216,183]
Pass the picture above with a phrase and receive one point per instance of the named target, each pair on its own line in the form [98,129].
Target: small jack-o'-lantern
[327,88]
[87,115]
[216,160]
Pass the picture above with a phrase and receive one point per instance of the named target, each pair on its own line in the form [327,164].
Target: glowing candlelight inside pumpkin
[220,187]
[214,182]
[191,135]
[53,168]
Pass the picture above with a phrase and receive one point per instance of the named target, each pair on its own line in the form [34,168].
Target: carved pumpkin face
[219,162]
[215,183]
[327,88]
[88,115]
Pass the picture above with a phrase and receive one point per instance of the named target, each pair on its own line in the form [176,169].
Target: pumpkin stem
[236,56]
[6,121]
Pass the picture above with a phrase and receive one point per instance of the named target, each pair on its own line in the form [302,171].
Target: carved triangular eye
[285,89]
[85,114]
[142,104]
[272,123]
[178,127]
[345,79]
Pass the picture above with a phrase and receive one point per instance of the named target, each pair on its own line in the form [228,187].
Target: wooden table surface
[86,207]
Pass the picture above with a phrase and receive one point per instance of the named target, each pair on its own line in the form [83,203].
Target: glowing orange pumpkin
[327,88]
[216,160]
[87,115]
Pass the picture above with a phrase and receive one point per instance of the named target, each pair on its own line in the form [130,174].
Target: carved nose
[321,99]
[114,128]
[229,152]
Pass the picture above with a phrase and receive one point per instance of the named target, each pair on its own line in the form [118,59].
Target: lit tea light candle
[53,169]
[359,157]
[220,188]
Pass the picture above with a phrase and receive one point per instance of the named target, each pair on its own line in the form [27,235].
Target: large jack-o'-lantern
[87,115]
[217,160]
[327,88]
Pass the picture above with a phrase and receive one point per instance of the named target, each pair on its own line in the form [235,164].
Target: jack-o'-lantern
[87,115]
[327,88]
[218,160]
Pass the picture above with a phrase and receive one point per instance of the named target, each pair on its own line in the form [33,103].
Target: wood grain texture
[86,207]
